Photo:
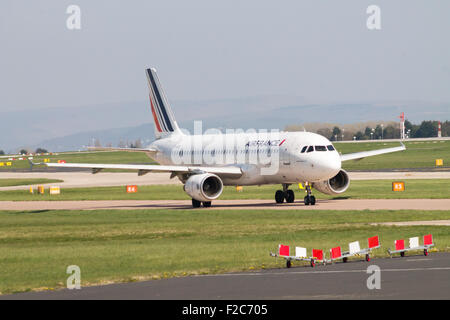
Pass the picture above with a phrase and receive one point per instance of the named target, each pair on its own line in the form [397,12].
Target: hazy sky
[207,49]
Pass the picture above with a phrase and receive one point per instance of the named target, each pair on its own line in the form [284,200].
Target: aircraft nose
[335,163]
[332,165]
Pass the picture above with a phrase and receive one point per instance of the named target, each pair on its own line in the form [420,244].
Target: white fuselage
[274,159]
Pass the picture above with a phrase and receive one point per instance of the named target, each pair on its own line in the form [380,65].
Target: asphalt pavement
[410,277]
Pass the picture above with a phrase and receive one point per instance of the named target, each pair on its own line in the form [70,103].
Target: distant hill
[62,129]
[29,128]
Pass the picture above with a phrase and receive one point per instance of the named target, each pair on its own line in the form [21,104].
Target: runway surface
[105,179]
[87,179]
[339,204]
[414,223]
[411,277]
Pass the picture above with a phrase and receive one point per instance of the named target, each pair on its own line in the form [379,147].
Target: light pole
[382,125]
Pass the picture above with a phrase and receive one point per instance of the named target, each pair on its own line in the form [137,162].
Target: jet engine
[204,187]
[336,185]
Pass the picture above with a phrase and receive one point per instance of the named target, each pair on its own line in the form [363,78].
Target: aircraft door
[285,156]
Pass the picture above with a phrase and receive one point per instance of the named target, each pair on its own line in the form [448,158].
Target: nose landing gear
[309,198]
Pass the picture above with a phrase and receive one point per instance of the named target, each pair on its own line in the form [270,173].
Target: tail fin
[165,123]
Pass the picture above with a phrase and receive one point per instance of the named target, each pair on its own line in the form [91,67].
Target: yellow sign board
[55,190]
[398,186]
[439,162]
[239,188]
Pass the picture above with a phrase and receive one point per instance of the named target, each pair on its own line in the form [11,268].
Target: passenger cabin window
[320,148]
[304,149]
[330,147]
[310,149]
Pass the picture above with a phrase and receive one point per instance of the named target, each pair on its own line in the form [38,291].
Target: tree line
[25,152]
[384,130]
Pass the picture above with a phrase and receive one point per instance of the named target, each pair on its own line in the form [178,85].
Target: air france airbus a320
[205,163]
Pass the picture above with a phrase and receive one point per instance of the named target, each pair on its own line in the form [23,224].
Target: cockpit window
[330,147]
[310,149]
[320,148]
[304,149]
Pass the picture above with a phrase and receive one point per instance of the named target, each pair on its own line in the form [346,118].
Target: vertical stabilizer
[165,123]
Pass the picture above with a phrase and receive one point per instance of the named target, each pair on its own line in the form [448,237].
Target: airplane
[247,158]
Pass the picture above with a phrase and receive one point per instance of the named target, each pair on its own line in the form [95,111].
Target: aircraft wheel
[196,203]
[279,196]
[402,254]
[288,264]
[207,204]
[367,258]
[290,196]
[306,200]
[312,200]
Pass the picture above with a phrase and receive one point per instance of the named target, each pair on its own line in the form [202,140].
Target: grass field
[24,182]
[359,189]
[82,157]
[118,246]
[419,154]
[130,245]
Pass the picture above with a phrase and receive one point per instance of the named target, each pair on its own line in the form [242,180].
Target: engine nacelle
[204,187]
[336,185]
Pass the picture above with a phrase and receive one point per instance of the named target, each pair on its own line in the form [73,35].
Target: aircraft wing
[364,154]
[146,168]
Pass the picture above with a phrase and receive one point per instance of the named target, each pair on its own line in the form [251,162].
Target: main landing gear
[289,196]
[197,204]
[284,194]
